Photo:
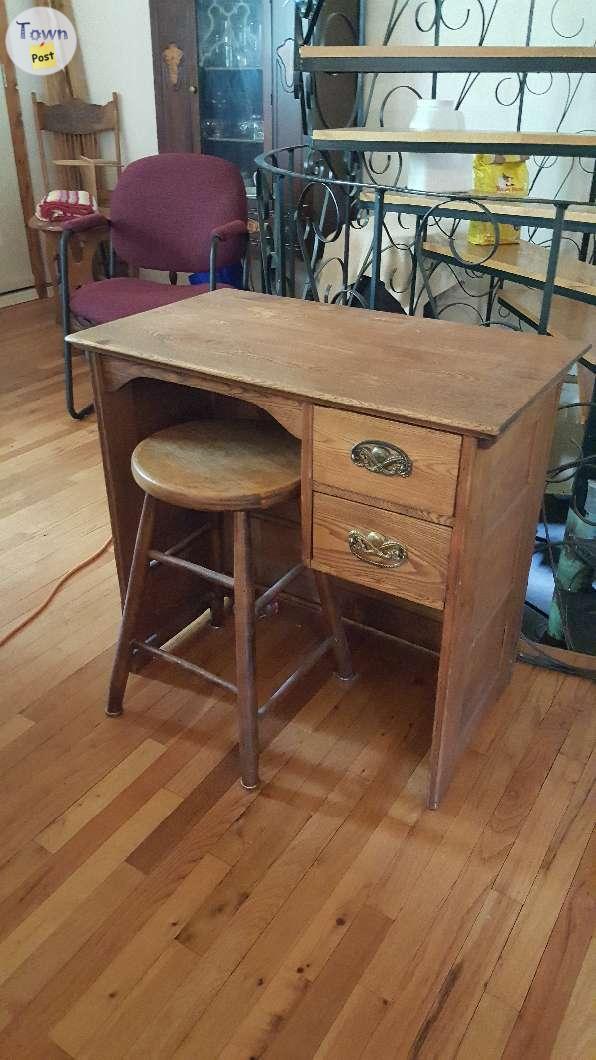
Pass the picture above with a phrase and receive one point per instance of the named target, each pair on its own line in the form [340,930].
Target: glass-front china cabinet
[224,70]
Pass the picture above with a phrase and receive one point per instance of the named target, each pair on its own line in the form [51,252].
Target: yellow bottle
[498,175]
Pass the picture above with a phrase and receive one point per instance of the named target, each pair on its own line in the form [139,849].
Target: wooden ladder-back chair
[72,131]
[76,127]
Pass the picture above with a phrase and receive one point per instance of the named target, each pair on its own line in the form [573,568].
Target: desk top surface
[457,377]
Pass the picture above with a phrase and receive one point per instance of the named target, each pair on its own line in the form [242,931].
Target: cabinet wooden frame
[175,44]
[176,75]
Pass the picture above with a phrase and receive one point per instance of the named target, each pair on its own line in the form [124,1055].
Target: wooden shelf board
[568,318]
[468,141]
[523,260]
[390,59]
[579,216]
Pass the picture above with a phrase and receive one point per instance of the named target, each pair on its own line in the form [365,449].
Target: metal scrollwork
[332,224]
[382,458]
[376,549]
[345,228]
[474,22]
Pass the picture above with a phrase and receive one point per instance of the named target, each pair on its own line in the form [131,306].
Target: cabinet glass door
[230,49]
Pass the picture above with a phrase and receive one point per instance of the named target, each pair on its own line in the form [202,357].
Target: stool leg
[217,598]
[244,618]
[132,605]
[341,648]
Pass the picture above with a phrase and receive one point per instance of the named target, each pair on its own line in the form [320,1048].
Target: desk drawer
[422,474]
[408,557]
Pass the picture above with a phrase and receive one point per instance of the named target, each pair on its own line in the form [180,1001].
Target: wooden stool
[218,466]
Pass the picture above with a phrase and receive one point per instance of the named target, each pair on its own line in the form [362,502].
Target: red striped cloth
[64,205]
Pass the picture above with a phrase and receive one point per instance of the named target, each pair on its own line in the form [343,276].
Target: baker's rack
[316,199]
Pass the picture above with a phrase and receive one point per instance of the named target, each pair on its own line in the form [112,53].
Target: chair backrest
[165,207]
[75,128]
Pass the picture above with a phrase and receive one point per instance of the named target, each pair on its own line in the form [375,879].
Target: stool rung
[307,664]
[278,587]
[184,543]
[194,568]
[192,668]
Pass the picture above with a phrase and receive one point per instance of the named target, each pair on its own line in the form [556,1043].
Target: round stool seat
[219,465]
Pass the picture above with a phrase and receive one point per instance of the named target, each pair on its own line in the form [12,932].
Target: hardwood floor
[149,907]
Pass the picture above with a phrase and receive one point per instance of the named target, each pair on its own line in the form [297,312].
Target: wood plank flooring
[149,907]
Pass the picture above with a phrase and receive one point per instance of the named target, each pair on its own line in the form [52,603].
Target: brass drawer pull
[382,458]
[376,549]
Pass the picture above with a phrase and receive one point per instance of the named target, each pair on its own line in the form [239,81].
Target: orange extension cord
[66,577]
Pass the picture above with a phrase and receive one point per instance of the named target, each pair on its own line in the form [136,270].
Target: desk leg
[132,607]
[217,563]
[244,621]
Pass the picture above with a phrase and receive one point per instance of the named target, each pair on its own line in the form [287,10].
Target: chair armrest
[221,234]
[90,220]
[231,230]
[70,228]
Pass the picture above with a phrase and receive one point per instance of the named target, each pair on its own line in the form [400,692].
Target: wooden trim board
[17,132]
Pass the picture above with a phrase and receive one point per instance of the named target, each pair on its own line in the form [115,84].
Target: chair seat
[216,465]
[107,300]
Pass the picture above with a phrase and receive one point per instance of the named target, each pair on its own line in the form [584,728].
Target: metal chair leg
[332,615]
[66,328]
[244,618]
[68,388]
[132,606]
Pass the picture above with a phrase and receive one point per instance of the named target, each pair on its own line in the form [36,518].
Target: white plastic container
[443,171]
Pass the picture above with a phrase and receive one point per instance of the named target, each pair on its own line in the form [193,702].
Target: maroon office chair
[171,212]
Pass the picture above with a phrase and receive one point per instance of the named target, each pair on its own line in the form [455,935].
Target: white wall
[115,39]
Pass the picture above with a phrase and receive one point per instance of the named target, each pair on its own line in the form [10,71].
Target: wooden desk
[461,419]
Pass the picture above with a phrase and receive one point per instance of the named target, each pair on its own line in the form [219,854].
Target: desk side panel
[497,508]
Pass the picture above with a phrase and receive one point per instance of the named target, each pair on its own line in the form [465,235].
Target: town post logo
[41,40]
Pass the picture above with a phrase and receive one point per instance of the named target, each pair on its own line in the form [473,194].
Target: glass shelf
[231,80]
[233,139]
[234,69]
